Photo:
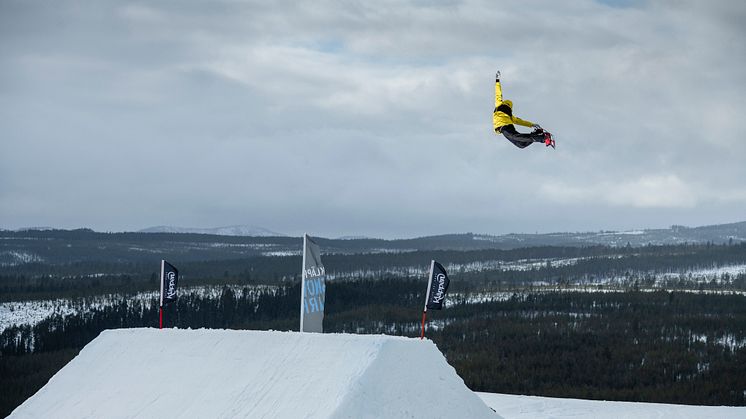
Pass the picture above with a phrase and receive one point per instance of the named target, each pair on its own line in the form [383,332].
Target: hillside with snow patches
[199,347]
[59,247]
[148,373]
[31,312]
[234,230]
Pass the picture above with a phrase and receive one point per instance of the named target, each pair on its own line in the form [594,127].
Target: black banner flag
[169,282]
[437,287]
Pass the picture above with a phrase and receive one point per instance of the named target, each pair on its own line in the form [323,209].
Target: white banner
[313,288]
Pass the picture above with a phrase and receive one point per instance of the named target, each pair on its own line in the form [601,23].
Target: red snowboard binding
[548,140]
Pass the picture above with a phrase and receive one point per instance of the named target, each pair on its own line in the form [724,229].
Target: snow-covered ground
[14,258]
[704,274]
[30,313]
[18,313]
[139,373]
[695,275]
[455,268]
[532,407]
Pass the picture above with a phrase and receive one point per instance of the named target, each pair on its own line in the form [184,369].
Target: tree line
[43,280]
[638,346]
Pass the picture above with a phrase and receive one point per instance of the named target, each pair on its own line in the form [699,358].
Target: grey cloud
[385,107]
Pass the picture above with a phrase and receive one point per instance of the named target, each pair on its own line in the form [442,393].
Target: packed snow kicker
[138,373]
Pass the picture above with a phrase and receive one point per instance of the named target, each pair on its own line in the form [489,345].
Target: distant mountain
[34,229]
[32,248]
[235,230]
[721,233]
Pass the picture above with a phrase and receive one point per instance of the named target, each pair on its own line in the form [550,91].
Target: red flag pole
[422,335]
[161,317]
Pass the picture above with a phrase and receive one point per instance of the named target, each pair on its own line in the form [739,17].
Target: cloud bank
[346,118]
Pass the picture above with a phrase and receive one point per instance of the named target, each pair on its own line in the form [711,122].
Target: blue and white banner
[437,287]
[313,288]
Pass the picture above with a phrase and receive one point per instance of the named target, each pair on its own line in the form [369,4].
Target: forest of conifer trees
[674,347]
[656,332]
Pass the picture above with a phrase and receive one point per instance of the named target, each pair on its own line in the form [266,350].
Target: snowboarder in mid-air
[504,122]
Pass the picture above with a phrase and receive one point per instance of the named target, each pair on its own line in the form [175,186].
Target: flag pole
[303,282]
[427,297]
[160,306]
[424,314]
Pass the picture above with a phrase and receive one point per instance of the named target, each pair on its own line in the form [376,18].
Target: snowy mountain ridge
[234,230]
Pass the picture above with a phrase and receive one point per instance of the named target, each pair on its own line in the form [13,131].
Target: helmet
[509,103]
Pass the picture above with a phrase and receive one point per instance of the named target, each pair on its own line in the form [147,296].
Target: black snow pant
[521,140]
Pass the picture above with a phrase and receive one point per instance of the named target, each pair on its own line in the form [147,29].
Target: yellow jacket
[503,113]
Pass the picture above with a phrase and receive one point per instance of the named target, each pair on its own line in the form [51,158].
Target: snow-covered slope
[531,407]
[139,373]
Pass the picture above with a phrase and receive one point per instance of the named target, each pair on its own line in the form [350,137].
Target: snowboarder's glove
[536,127]
[497,75]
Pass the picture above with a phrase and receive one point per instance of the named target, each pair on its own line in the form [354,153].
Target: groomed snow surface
[533,407]
[172,373]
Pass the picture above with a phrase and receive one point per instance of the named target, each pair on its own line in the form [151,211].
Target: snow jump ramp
[173,373]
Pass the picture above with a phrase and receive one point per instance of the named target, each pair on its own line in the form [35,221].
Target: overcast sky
[371,117]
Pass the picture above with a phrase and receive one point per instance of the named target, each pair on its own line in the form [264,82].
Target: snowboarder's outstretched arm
[523,122]
[498,90]
[499,100]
